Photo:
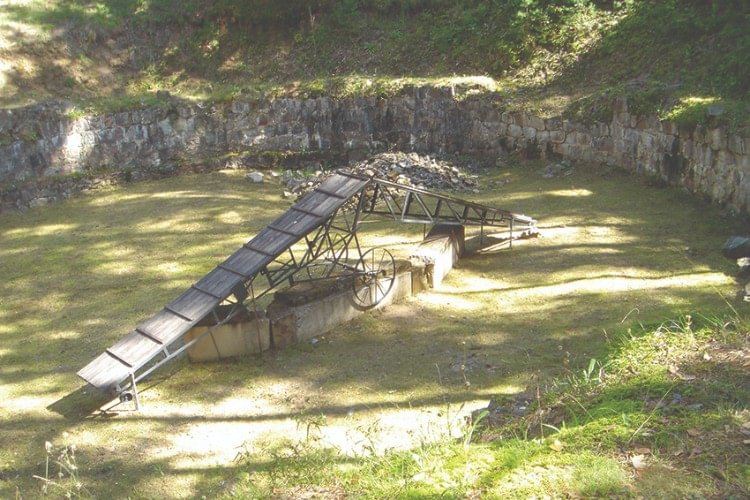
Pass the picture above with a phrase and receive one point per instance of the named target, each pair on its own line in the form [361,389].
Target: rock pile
[255,177]
[407,169]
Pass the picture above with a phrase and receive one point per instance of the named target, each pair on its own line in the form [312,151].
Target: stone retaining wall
[43,141]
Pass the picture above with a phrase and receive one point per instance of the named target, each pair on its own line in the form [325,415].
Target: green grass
[629,411]
[447,469]
[79,274]
[565,56]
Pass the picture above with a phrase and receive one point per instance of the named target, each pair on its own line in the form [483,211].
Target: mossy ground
[613,254]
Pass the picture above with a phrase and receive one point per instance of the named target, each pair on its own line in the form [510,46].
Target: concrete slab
[419,282]
[440,251]
[295,323]
[457,232]
[242,336]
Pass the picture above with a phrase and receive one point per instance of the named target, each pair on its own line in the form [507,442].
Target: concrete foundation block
[231,340]
[293,321]
[283,325]
[440,251]
[458,233]
[419,278]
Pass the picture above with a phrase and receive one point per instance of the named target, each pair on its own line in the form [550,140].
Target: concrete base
[440,251]
[458,233]
[241,336]
[310,309]
[295,323]
[419,281]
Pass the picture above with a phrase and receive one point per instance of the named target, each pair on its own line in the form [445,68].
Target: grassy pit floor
[613,253]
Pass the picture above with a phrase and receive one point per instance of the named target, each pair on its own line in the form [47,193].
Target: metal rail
[414,205]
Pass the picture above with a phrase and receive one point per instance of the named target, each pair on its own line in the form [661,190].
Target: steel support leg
[136,400]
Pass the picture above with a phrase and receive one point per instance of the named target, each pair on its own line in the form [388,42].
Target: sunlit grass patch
[661,393]
[565,474]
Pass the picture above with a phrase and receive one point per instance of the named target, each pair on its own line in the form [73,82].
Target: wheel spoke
[377,283]
[366,295]
[377,270]
[380,264]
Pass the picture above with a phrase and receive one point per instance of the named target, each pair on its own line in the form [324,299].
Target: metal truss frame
[329,245]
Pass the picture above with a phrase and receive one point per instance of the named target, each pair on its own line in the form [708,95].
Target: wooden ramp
[159,338]
[156,334]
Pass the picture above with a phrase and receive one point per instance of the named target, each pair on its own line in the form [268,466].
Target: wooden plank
[232,271]
[258,250]
[320,203]
[330,193]
[186,318]
[296,222]
[218,282]
[333,183]
[347,173]
[193,305]
[246,262]
[135,349]
[341,185]
[271,242]
[288,232]
[296,208]
[147,335]
[205,292]
[104,372]
[165,326]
